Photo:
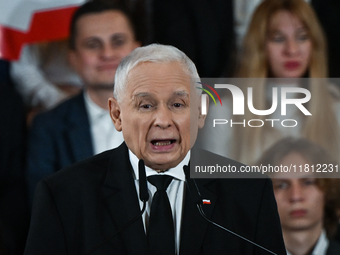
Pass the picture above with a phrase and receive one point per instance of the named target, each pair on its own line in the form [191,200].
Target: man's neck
[100,97]
[301,242]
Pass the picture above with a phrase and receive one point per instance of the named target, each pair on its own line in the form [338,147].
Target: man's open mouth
[163,142]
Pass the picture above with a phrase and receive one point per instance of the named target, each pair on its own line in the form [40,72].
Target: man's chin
[162,166]
[301,225]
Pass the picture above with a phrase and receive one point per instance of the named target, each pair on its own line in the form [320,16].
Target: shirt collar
[93,109]
[176,172]
[322,244]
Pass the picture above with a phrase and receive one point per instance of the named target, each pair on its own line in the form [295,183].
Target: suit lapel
[79,135]
[194,226]
[122,203]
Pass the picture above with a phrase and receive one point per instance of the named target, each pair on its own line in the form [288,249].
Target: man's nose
[108,52]
[296,193]
[163,117]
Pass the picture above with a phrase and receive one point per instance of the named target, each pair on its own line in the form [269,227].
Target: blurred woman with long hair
[285,40]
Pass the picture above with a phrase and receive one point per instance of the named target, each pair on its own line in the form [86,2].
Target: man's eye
[308,182]
[281,185]
[118,42]
[92,45]
[145,106]
[177,105]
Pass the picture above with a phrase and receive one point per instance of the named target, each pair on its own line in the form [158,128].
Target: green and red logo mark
[209,93]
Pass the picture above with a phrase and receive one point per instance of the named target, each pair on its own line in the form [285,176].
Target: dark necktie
[161,234]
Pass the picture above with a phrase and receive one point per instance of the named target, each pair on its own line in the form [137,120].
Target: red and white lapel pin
[206,201]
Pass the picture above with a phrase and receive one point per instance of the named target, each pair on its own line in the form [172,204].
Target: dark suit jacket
[14,210]
[58,138]
[333,248]
[79,207]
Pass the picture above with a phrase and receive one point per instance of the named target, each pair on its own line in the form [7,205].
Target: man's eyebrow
[92,38]
[147,94]
[141,94]
[280,179]
[117,36]
[181,93]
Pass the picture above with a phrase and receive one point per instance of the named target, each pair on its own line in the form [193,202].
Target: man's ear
[201,117]
[115,113]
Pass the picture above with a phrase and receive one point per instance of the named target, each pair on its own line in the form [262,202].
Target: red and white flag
[29,21]
[206,201]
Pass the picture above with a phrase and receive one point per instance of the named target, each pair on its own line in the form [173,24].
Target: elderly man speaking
[94,207]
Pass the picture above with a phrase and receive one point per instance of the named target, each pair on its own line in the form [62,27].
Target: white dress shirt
[103,132]
[175,192]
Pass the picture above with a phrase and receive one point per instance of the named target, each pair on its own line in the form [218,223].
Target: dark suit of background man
[102,34]
[14,212]
[77,208]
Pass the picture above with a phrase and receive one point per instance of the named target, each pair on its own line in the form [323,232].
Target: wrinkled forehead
[158,73]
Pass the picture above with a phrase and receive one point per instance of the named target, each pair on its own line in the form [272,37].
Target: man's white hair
[152,53]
